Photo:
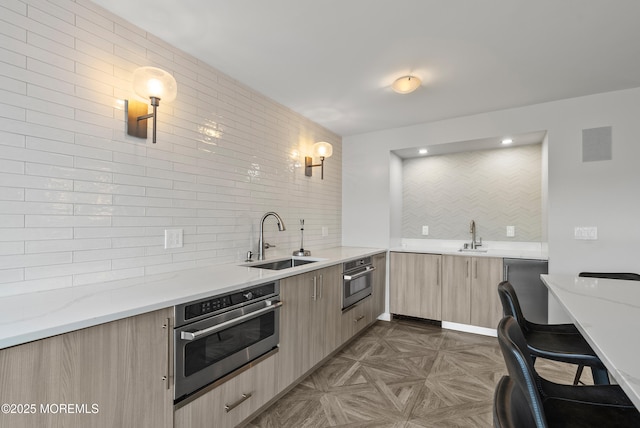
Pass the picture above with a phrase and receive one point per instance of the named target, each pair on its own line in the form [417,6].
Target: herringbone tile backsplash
[496,188]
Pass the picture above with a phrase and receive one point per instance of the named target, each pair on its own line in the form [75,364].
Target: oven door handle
[272,305]
[369,269]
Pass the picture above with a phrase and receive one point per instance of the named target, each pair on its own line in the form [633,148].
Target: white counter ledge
[607,313]
[503,249]
[32,316]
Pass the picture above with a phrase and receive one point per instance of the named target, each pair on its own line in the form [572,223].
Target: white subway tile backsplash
[66,221]
[114,189]
[15,207]
[27,181]
[29,260]
[83,202]
[33,233]
[7,248]
[112,254]
[51,246]
[66,269]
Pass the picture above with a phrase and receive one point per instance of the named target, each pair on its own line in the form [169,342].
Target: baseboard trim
[469,328]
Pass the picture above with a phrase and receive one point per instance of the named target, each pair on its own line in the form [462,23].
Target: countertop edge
[33,316]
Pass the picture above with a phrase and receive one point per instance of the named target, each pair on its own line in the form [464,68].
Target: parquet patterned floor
[402,374]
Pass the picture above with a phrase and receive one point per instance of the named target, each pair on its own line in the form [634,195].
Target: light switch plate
[585,233]
[172,238]
[325,231]
[425,230]
[511,231]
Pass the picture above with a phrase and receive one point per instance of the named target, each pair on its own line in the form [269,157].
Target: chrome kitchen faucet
[261,244]
[472,230]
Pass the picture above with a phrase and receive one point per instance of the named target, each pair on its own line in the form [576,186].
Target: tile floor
[402,374]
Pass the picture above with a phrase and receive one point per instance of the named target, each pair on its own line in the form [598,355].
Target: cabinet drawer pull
[358,319]
[230,407]
[314,296]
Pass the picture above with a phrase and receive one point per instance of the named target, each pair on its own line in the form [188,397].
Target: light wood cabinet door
[326,328]
[486,309]
[415,285]
[295,295]
[309,321]
[232,402]
[469,294]
[114,375]
[456,289]
[379,285]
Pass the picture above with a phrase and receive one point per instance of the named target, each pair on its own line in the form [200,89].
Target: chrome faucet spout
[472,230]
[261,244]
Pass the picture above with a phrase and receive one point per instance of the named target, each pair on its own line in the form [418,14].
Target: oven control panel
[192,311]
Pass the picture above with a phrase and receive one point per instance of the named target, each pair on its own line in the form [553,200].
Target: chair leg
[576,380]
[600,376]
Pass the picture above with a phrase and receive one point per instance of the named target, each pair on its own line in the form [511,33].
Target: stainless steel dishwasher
[524,275]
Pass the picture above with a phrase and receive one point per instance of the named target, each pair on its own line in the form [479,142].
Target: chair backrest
[510,303]
[510,406]
[520,367]
[611,275]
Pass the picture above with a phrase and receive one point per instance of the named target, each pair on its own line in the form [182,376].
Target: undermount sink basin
[472,250]
[282,264]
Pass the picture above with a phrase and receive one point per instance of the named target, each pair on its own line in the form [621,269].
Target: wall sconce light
[152,83]
[322,150]
[406,84]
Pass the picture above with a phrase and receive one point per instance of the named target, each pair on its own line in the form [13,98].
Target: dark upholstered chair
[510,406]
[524,399]
[558,342]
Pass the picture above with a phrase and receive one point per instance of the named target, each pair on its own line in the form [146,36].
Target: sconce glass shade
[322,149]
[152,82]
[406,84]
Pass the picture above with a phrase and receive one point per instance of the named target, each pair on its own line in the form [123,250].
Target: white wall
[82,202]
[602,194]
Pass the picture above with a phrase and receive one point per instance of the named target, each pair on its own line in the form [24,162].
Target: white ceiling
[334,60]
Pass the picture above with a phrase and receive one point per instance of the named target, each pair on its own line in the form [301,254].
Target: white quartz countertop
[516,250]
[607,313]
[32,316]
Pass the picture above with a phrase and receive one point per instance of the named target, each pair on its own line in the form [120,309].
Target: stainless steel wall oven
[357,281]
[217,335]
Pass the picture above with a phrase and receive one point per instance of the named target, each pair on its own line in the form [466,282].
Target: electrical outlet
[172,238]
[425,230]
[511,231]
[585,233]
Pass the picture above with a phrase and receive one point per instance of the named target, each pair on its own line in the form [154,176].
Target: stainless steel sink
[472,250]
[282,264]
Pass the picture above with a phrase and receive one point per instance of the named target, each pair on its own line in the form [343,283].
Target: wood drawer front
[257,383]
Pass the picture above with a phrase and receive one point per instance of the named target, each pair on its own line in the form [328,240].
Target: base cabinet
[112,375]
[232,402]
[309,322]
[469,293]
[415,285]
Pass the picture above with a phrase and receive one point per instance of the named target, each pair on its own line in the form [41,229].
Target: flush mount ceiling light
[155,84]
[406,84]
[322,150]
[423,151]
[507,141]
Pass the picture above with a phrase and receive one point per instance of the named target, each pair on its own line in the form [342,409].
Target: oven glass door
[357,286]
[202,353]
[205,352]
